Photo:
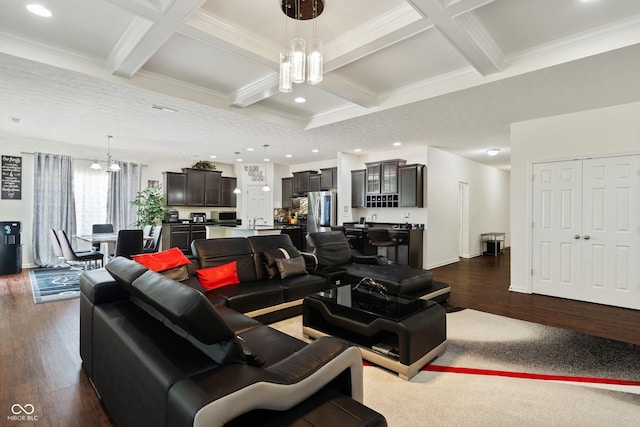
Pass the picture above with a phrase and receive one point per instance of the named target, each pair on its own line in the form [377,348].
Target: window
[90,191]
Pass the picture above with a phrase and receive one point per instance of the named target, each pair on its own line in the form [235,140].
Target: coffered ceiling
[448,73]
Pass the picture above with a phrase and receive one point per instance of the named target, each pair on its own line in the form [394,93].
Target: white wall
[600,132]
[488,204]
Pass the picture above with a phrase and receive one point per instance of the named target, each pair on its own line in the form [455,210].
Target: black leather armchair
[332,251]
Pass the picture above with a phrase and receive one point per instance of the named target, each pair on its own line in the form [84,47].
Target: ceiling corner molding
[397,19]
[130,39]
[478,34]
[255,92]
[347,89]
[211,29]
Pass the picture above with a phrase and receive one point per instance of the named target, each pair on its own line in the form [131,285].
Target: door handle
[587,237]
[577,236]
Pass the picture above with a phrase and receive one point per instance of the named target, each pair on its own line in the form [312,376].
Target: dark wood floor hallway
[482,283]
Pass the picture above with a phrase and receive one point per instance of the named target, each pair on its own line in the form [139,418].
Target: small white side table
[495,239]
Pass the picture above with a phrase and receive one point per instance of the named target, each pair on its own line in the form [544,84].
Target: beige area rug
[491,346]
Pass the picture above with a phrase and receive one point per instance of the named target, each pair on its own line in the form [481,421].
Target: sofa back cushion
[125,272]
[217,252]
[268,248]
[330,247]
[183,306]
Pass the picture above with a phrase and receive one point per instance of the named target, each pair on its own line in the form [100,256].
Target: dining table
[105,239]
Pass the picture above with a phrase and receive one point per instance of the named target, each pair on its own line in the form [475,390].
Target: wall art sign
[11,177]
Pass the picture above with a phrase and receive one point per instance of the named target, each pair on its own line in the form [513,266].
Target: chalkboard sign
[12,177]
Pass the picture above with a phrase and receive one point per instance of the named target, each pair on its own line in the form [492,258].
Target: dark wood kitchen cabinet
[301,182]
[382,177]
[358,188]
[195,187]
[181,235]
[175,188]
[411,186]
[213,188]
[328,178]
[229,198]
[314,182]
[287,193]
[204,188]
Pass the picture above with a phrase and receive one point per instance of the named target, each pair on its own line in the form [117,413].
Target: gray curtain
[123,187]
[53,203]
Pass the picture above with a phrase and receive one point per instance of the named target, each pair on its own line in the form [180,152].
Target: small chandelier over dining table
[296,63]
[112,166]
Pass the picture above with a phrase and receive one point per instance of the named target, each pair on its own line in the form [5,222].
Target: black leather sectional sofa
[159,353]
[272,299]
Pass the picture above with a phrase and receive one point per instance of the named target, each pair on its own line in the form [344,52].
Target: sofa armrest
[299,376]
[310,260]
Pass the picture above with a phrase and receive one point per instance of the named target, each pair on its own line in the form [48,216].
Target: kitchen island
[219,231]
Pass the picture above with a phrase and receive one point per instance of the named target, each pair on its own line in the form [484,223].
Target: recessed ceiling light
[288,155]
[249,149]
[40,10]
[300,100]
[238,160]
[266,159]
[493,151]
[315,150]
[213,157]
[397,144]
[357,150]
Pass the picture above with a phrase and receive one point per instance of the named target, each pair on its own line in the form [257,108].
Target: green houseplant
[149,205]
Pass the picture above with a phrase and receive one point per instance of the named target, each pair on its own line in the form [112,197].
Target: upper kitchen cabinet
[388,184]
[287,192]
[382,177]
[302,182]
[328,178]
[175,187]
[197,187]
[411,186]
[358,188]
[314,182]
[229,198]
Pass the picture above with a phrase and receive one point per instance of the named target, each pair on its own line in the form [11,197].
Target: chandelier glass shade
[297,63]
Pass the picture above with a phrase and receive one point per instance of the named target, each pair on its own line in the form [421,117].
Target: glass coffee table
[398,332]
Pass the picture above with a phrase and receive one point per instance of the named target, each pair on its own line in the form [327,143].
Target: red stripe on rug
[491,372]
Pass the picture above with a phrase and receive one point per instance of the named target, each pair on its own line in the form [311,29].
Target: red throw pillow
[164,260]
[217,277]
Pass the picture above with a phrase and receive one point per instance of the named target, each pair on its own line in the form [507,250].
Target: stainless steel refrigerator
[322,210]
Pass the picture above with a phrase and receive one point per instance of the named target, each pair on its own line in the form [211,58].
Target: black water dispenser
[10,248]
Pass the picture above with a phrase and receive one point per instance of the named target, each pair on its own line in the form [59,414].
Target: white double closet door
[586,230]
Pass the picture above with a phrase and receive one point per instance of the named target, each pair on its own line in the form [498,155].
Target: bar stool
[379,237]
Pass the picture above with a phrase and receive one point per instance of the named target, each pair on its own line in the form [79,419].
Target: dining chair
[100,228]
[129,243]
[57,249]
[87,258]
[155,243]
[146,232]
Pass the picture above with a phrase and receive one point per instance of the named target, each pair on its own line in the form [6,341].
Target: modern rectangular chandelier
[296,63]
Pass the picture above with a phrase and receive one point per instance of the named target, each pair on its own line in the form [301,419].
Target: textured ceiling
[451,74]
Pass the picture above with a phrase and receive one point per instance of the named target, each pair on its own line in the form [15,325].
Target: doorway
[463,220]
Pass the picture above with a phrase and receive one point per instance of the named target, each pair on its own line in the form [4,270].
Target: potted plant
[149,205]
[204,165]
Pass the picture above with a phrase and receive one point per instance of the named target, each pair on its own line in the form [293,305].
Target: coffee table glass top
[393,307]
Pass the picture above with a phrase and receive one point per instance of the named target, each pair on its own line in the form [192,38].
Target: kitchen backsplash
[301,210]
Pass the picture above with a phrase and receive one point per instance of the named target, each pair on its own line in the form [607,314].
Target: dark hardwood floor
[482,283]
[40,362]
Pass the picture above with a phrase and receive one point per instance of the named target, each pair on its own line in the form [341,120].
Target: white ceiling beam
[142,40]
[464,33]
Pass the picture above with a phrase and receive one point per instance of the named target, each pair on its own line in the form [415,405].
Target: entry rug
[54,284]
